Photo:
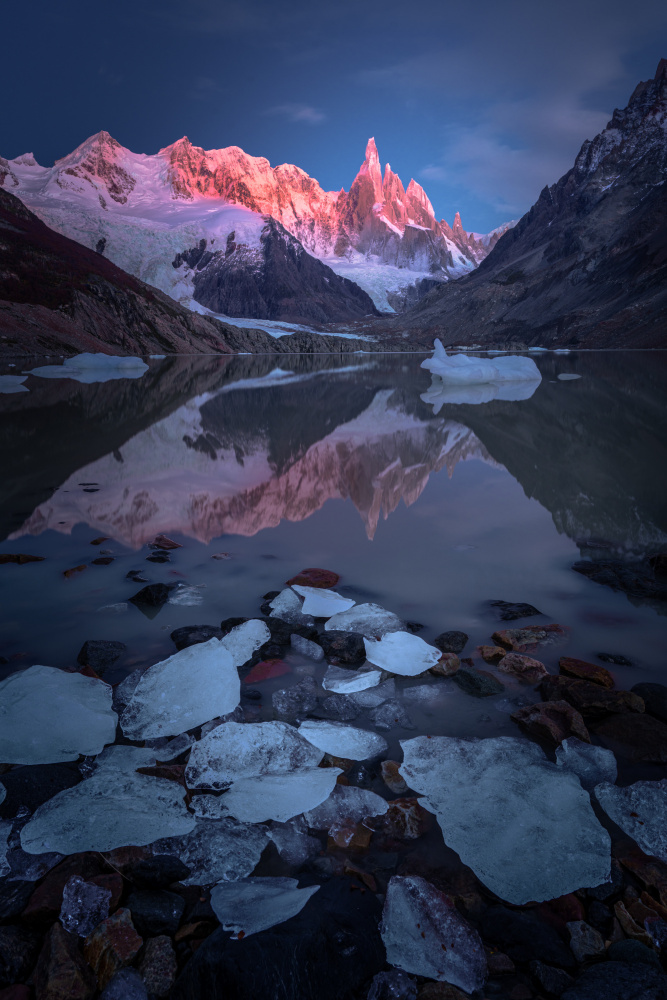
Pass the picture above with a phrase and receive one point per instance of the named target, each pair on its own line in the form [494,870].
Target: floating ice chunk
[346,804]
[459,369]
[402,653]
[322,603]
[13,383]
[185,596]
[157,357]
[255,904]
[220,849]
[375,696]
[242,641]
[425,934]
[5,830]
[235,751]
[124,759]
[342,741]
[108,811]
[591,764]
[306,648]
[293,843]
[525,826]
[280,796]
[641,811]
[193,686]
[344,681]
[94,368]
[84,906]
[369,619]
[567,376]
[287,606]
[49,716]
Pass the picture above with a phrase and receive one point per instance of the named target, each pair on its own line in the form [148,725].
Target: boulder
[553,721]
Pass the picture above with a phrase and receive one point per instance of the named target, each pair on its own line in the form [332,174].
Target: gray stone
[125,985]
[479,683]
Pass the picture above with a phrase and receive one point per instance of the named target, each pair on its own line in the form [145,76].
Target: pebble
[313,577]
[491,654]
[585,941]
[479,683]
[451,642]
[446,666]
[523,667]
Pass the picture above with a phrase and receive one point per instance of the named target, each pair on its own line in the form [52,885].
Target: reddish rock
[405,819]
[523,667]
[355,872]
[519,639]
[392,778]
[112,945]
[158,966]
[637,736]
[491,654]
[354,838]
[265,670]
[69,573]
[649,871]
[586,671]
[590,699]
[61,973]
[324,578]
[447,665]
[552,720]
[163,542]
[19,558]
[123,858]
[45,903]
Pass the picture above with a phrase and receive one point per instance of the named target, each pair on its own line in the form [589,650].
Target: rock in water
[424,933]
[641,811]
[100,654]
[50,716]
[119,810]
[402,653]
[84,906]
[321,603]
[370,620]
[525,826]
[255,904]
[591,764]
[235,751]
[342,741]
[191,687]
[306,647]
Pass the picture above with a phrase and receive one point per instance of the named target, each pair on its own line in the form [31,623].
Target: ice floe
[591,764]
[425,934]
[12,383]
[242,641]
[524,825]
[108,811]
[321,603]
[50,716]
[287,606]
[641,811]
[460,369]
[342,680]
[342,741]
[216,849]
[235,751]
[90,368]
[279,796]
[346,804]
[255,904]
[370,620]
[402,653]
[195,685]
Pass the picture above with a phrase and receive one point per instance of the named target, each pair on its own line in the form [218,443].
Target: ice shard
[370,620]
[255,904]
[591,764]
[347,804]
[217,849]
[402,653]
[341,740]
[342,680]
[287,606]
[641,811]
[279,796]
[322,603]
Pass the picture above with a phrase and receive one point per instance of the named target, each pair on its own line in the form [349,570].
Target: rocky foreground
[326,868]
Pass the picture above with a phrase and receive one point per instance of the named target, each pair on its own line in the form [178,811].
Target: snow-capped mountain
[148,213]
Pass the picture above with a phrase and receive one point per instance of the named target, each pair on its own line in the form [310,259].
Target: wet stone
[265,670]
[300,699]
[100,654]
[191,635]
[19,948]
[553,721]
[508,612]
[392,778]
[111,946]
[158,966]
[582,670]
[313,577]
[155,595]
[523,667]
[451,642]
[491,654]
[554,981]
[638,736]
[447,665]
[391,715]
[517,639]
[61,972]
[343,647]
[306,648]
[158,872]
[125,985]
[620,661]
[340,707]
[479,683]
[155,911]
[654,697]
[585,941]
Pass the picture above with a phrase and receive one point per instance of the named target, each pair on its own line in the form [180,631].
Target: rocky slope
[57,296]
[144,211]
[587,265]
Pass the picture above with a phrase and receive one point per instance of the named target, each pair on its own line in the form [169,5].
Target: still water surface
[431,509]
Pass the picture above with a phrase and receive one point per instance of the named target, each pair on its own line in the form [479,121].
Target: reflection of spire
[164,484]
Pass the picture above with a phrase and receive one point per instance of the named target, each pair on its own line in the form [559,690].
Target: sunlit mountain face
[169,216]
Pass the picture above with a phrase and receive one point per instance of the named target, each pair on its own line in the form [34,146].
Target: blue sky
[482,103]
